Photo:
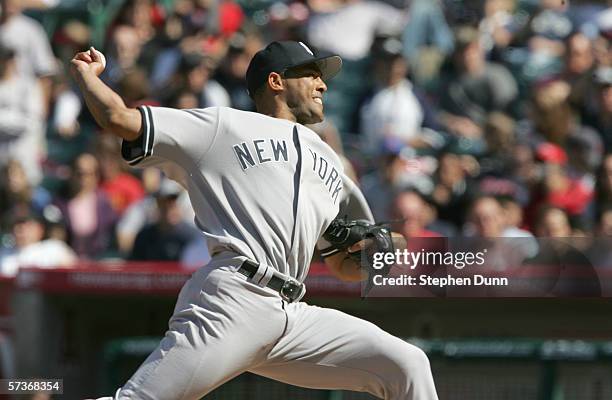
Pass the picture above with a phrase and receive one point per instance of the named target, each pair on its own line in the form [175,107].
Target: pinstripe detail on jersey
[151,135]
[297,177]
[141,148]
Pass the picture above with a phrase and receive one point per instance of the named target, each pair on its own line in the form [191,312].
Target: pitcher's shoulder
[250,118]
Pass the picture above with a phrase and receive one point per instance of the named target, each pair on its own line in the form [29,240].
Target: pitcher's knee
[412,373]
[413,362]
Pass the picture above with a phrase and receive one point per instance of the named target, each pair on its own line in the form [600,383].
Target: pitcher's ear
[275,81]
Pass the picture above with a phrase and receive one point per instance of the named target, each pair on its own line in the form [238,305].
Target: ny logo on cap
[306,48]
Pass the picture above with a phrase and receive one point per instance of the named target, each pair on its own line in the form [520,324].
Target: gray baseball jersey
[227,154]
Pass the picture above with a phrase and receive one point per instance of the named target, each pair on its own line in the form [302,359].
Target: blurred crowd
[485,118]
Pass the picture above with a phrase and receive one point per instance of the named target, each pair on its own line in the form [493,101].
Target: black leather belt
[289,289]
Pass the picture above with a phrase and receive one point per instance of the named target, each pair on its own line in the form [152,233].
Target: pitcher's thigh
[328,349]
[184,367]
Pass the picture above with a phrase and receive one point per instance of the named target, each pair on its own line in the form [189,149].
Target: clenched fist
[91,60]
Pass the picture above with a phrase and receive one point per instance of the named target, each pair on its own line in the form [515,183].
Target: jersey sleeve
[353,204]
[168,134]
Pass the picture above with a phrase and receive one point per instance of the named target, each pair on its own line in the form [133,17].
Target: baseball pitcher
[265,190]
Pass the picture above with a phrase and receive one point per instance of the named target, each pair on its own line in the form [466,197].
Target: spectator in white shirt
[31,249]
[35,60]
[21,117]
[393,116]
[349,29]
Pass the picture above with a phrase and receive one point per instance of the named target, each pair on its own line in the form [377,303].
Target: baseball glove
[343,233]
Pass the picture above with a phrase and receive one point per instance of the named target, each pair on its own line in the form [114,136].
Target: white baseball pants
[223,326]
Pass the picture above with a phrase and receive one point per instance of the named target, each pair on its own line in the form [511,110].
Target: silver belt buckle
[292,290]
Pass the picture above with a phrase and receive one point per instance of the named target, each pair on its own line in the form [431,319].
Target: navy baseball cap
[282,56]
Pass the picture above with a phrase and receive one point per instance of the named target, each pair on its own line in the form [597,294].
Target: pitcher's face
[304,93]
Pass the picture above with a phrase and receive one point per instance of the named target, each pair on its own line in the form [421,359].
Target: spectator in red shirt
[121,187]
[414,213]
[558,188]
[561,191]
